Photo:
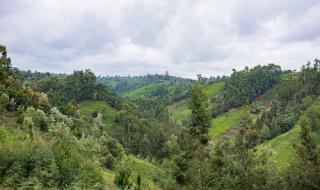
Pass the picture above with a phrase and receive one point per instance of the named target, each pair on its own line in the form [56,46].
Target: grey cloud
[134,37]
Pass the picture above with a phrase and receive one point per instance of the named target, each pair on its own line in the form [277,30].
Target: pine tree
[199,114]
[305,174]
[198,152]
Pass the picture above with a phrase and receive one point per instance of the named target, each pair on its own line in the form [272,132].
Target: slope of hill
[147,90]
[282,147]
[224,122]
[178,111]
[130,83]
[90,108]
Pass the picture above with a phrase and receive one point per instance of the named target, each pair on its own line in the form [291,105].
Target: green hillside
[282,147]
[179,111]
[224,122]
[214,88]
[142,91]
[108,113]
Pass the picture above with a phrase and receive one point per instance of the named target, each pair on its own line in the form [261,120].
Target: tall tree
[198,152]
[200,121]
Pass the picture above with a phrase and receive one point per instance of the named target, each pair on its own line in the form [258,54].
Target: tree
[305,171]
[200,121]
[5,62]
[4,102]
[80,85]
[28,123]
[194,162]
[123,179]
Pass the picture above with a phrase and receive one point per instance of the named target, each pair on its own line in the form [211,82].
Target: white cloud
[137,37]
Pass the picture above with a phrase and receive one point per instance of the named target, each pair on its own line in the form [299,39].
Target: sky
[137,37]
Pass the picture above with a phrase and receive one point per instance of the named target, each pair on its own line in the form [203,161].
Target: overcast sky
[185,37]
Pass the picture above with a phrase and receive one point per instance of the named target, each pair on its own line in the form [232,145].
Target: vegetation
[224,122]
[283,146]
[179,111]
[257,129]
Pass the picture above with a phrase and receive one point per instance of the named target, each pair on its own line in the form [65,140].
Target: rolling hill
[178,111]
[282,147]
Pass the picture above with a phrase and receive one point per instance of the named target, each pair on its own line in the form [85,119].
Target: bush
[123,178]
[4,102]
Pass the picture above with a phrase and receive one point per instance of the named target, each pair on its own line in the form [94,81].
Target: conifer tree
[199,114]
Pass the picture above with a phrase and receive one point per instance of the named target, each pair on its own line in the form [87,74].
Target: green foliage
[244,86]
[283,146]
[153,108]
[4,102]
[180,111]
[125,84]
[199,114]
[107,112]
[139,136]
[123,179]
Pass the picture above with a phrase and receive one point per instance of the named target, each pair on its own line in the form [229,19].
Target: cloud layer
[137,37]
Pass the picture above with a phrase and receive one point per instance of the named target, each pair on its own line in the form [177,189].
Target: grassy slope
[137,166]
[224,122]
[145,90]
[282,147]
[179,110]
[108,113]
[145,169]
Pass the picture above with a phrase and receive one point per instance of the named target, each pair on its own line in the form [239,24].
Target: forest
[257,129]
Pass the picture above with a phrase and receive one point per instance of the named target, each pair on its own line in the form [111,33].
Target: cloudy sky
[185,37]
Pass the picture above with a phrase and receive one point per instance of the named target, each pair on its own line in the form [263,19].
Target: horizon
[136,38]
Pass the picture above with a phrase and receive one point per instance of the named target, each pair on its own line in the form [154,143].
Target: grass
[282,147]
[224,122]
[145,169]
[145,90]
[108,113]
[213,89]
[179,111]
[290,76]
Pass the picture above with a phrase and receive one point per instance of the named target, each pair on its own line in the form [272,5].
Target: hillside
[282,147]
[73,132]
[224,122]
[178,111]
[90,108]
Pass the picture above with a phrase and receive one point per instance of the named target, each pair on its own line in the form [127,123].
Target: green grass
[137,166]
[224,122]
[145,169]
[290,76]
[213,89]
[282,147]
[179,111]
[108,113]
[145,90]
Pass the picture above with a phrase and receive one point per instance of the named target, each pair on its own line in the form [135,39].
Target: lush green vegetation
[179,111]
[224,122]
[74,132]
[131,83]
[244,86]
[283,146]
[91,108]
